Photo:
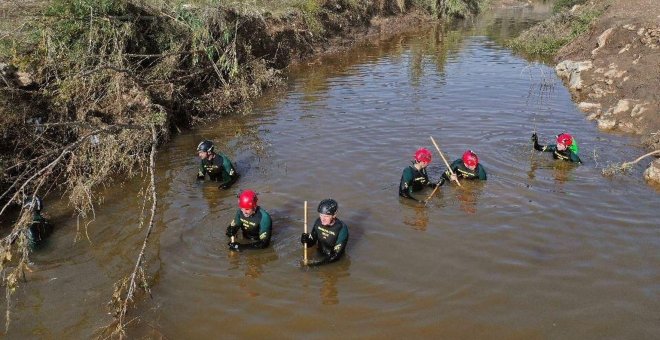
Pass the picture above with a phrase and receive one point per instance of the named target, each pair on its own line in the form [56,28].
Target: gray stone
[585,106]
[606,124]
[602,40]
[570,70]
[622,106]
[652,173]
[638,110]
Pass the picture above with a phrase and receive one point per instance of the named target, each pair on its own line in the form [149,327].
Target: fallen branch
[615,168]
[137,269]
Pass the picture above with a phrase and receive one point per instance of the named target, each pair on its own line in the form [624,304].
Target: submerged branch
[137,269]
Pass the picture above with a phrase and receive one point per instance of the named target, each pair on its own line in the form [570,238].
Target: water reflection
[417,216]
[468,195]
[330,276]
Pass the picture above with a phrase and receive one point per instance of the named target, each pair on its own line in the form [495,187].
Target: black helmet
[205,146]
[35,204]
[328,207]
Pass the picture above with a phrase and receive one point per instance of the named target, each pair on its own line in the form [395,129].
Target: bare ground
[613,71]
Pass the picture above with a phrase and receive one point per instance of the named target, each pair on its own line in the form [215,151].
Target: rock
[24,79]
[630,27]
[625,48]
[571,70]
[585,106]
[652,173]
[595,115]
[614,73]
[638,110]
[622,106]
[602,40]
[627,127]
[606,124]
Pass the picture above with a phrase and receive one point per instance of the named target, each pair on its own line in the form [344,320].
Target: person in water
[466,167]
[253,221]
[216,165]
[414,177]
[329,232]
[39,228]
[566,148]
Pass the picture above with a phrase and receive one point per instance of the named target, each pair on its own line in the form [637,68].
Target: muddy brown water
[540,250]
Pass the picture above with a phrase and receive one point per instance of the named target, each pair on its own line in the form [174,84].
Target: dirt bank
[613,68]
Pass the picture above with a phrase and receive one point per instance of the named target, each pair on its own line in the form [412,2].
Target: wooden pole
[305,231]
[426,201]
[444,159]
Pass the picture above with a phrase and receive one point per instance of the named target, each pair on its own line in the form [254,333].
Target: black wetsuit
[219,169]
[566,154]
[257,227]
[332,241]
[463,172]
[39,230]
[413,180]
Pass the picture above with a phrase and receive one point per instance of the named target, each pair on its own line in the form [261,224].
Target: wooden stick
[444,159]
[305,231]
[426,201]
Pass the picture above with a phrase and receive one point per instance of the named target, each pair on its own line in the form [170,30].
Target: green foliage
[561,5]
[310,10]
[548,37]
[430,6]
[582,22]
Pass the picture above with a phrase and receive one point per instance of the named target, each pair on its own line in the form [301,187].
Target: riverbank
[608,54]
[98,75]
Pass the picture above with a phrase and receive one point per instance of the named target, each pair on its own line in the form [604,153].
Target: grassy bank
[571,18]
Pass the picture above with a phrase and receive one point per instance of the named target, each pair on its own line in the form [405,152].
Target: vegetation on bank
[88,88]
[568,22]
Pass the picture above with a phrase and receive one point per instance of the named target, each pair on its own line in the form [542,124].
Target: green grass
[561,5]
[548,37]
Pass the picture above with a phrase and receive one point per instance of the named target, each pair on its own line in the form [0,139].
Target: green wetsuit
[332,241]
[413,180]
[257,227]
[219,169]
[566,155]
[462,171]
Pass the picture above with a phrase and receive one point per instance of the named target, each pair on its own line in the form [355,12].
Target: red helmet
[470,158]
[247,200]
[423,155]
[565,138]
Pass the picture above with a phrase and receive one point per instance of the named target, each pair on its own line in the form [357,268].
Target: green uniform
[566,155]
[413,180]
[257,227]
[219,169]
[463,172]
[332,241]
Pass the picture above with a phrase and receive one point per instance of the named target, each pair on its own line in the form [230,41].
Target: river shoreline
[612,68]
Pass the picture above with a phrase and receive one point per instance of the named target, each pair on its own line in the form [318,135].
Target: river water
[541,250]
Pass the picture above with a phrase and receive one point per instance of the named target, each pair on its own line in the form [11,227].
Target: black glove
[232,230]
[535,138]
[199,178]
[233,246]
[305,238]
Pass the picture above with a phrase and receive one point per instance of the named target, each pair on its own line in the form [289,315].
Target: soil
[613,70]
[622,88]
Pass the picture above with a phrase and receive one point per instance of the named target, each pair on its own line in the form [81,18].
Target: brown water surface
[542,249]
